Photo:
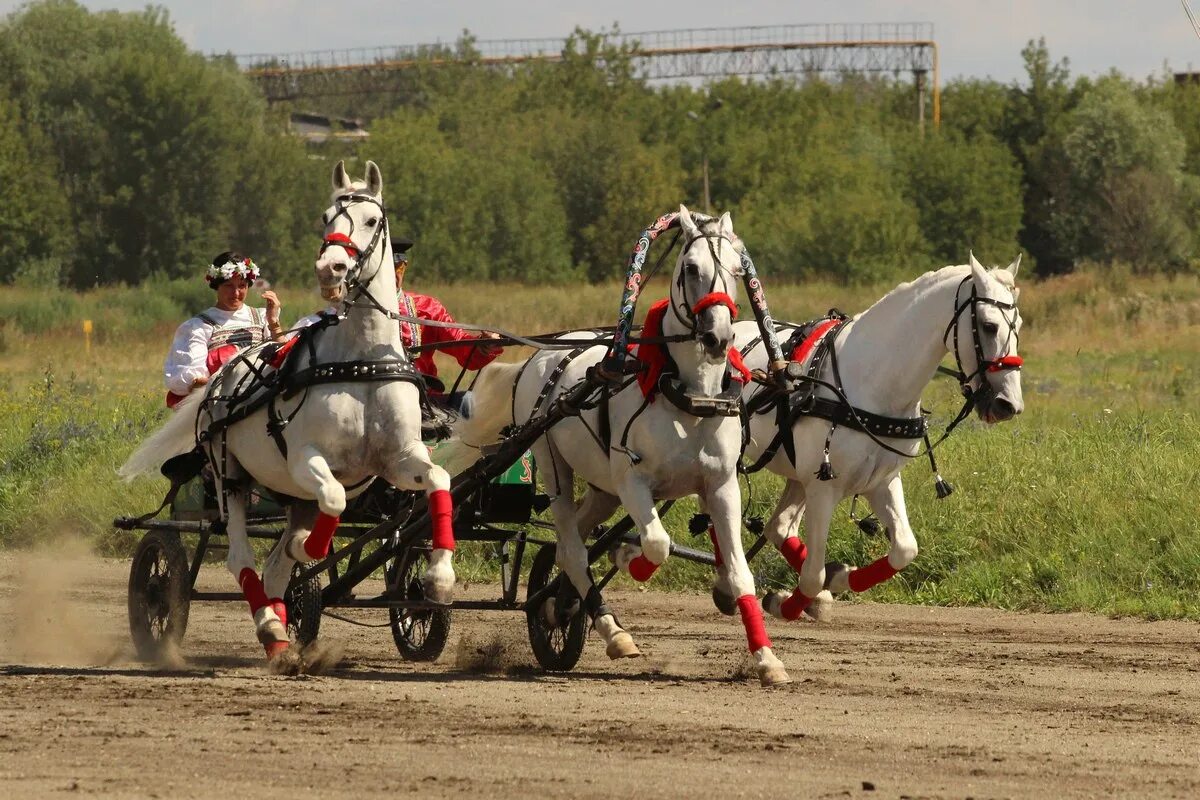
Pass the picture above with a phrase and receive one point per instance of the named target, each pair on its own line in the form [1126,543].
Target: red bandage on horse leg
[712,537]
[641,569]
[280,608]
[874,573]
[441,513]
[317,543]
[252,589]
[794,606]
[794,552]
[756,632]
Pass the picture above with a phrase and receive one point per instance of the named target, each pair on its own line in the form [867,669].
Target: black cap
[400,246]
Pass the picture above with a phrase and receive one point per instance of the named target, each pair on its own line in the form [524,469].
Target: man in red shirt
[475,352]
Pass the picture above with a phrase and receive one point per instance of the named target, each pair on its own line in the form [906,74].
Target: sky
[975,39]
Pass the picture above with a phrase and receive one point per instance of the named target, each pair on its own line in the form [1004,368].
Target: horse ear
[979,274]
[1014,266]
[341,181]
[374,179]
[726,224]
[686,222]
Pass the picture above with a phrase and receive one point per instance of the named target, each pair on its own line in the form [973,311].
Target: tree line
[125,157]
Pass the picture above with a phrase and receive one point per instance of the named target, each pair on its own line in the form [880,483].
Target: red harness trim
[1006,362]
[806,347]
[716,299]
[282,353]
[341,240]
[654,356]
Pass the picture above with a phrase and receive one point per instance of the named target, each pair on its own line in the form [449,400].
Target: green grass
[1086,502]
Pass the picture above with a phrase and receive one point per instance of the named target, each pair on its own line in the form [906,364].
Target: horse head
[356,237]
[990,319]
[704,284]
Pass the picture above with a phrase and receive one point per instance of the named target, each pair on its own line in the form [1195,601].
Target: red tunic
[468,355]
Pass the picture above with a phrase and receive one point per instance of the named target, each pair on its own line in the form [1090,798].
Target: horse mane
[925,281]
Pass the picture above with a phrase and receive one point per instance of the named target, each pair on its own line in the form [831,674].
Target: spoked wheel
[303,607]
[159,594]
[557,626]
[420,634]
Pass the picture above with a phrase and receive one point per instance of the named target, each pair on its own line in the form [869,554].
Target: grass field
[1086,501]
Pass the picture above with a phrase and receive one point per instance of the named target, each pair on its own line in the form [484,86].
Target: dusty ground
[889,702]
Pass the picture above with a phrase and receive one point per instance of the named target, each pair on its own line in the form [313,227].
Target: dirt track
[888,702]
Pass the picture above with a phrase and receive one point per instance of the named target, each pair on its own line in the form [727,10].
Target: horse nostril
[710,341]
[1004,409]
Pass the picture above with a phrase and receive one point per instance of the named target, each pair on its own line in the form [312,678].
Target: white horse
[884,357]
[656,451]
[351,423]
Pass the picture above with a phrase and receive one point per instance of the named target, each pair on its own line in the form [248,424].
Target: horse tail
[174,438]
[492,412]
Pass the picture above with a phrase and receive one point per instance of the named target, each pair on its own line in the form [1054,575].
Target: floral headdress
[246,268]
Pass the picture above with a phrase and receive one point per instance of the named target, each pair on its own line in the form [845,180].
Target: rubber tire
[169,592]
[303,608]
[557,649]
[420,635]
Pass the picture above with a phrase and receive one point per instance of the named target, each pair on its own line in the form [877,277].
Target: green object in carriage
[520,473]
[191,503]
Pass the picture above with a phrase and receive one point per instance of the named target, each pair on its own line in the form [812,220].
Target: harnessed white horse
[655,451]
[881,360]
[352,414]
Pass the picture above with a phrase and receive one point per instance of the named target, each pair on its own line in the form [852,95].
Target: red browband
[1005,362]
[341,240]
[716,299]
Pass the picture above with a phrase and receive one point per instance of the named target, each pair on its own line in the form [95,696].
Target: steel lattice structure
[903,47]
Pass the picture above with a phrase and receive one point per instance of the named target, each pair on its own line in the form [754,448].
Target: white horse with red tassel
[881,361]
[655,450]
[359,416]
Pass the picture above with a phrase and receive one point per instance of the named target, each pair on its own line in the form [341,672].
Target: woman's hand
[199,381]
[273,307]
[487,348]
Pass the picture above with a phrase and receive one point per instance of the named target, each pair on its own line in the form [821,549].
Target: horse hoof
[271,631]
[821,607]
[837,577]
[275,649]
[439,593]
[622,646]
[725,602]
[772,602]
[773,675]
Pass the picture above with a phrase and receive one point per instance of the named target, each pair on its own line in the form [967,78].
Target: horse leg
[642,562]
[888,505]
[725,505]
[271,631]
[277,571]
[820,502]
[782,532]
[311,473]
[723,594]
[415,471]
[571,553]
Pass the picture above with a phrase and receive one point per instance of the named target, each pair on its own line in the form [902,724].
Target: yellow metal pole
[87,336]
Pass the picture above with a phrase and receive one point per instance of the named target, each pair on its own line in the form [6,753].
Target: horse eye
[692,270]
[372,221]
[990,328]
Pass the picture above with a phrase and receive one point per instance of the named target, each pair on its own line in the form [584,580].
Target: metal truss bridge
[765,51]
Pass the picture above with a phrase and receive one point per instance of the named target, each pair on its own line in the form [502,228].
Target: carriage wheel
[159,594]
[304,607]
[557,645]
[420,633]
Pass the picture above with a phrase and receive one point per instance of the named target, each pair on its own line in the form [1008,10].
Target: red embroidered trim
[343,241]
[716,299]
[806,347]
[1006,362]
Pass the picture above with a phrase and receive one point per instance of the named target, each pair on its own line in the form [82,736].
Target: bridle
[983,364]
[711,297]
[356,285]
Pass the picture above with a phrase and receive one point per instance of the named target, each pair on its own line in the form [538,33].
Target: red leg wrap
[280,610]
[794,606]
[317,543]
[641,569]
[252,589]
[756,632]
[441,513]
[794,552]
[712,537]
[874,573]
